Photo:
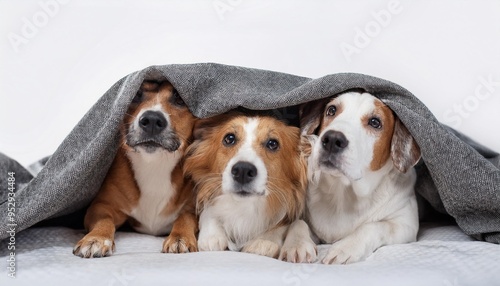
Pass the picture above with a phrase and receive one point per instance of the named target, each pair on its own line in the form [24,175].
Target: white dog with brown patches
[361,181]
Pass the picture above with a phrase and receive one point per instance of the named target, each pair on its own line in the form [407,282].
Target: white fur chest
[241,218]
[337,207]
[153,173]
[330,207]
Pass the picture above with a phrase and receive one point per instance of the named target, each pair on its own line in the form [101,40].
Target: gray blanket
[456,176]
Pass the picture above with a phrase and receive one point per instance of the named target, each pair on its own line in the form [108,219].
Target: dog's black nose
[334,141]
[244,172]
[152,122]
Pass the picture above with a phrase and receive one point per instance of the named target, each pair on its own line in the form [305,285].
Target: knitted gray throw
[457,176]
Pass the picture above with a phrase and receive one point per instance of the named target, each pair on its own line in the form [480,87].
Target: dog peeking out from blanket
[250,178]
[145,184]
[361,180]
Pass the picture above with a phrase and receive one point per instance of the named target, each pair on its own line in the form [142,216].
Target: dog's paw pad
[94,246]
[262,247]
[179,244]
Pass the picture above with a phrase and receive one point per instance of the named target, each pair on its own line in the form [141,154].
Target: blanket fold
[457,175]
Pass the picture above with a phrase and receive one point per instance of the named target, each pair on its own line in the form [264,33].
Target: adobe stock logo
[484,90]
[363,37]
[31,26]
[224,6]
[299,273]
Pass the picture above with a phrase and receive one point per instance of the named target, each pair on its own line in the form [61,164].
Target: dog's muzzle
[333,143]
[244,174]
[153,133]
[152,123]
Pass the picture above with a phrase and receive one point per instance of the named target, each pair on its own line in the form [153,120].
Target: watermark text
[364,36]
[222,7]
[486,88]
[11,224]
[32,25]
[299,273]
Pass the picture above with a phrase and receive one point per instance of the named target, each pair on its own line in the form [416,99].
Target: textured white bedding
[443,255]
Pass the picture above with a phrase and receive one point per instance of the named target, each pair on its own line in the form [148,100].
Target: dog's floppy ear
[311,114]
[201,130]
[201,127]
[405,152]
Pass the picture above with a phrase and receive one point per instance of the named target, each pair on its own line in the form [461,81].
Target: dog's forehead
[235,124]
[258,128]
[355,109]
[253,124]
[165,92]
[355,103]
[269,125]
[350,107]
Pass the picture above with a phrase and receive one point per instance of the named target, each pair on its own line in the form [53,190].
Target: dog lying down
[145,185]
[250,178]
[361,180]
[247,176]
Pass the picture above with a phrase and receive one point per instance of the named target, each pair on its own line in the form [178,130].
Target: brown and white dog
[361,181]
[250,178]
[145,184]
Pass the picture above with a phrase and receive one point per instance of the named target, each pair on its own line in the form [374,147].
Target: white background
[58,58]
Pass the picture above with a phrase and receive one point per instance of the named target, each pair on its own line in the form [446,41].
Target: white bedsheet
[443,255]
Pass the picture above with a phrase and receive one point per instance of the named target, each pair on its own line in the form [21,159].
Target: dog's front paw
[299,252]
[344,253]
[262,247]
[212,243]
[176,243]
[94,246]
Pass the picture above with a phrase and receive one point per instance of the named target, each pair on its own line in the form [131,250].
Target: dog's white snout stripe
[247,153]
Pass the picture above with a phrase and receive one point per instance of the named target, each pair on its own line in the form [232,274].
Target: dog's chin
[245,194]
[335,169]
[240,192]
[153,146]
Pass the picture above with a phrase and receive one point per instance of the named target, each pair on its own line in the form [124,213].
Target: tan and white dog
[361,181]
[145,184]
[250,178]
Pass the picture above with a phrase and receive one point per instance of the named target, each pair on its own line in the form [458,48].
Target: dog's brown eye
[272,145]
[331,110]
[375,123]
[177,99]
[229,139]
